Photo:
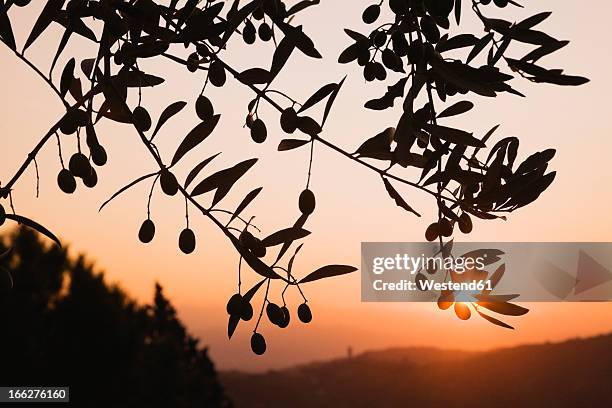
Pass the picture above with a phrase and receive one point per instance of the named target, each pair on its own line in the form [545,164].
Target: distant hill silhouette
[575,373]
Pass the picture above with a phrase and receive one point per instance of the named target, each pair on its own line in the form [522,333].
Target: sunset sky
[352,205]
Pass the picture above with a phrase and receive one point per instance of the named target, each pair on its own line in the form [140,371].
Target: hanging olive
[168,182]
[258,344]
[204,108]
[304,313]
[66,181]
[307,202]
[187,241]
[147,231]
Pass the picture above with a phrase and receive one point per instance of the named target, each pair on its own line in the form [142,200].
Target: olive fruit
[307,202]
[391,60]
[258,344]
[98,155]
[247,311]
[369,71]
[465,223]
[69,124]
[216,74]
[265,32]
[193,62]
[91,178]
[462,311]
[79,165]
[147,231]
[204,108]
[2,214]
[446,228]
[249,120]
[432,232]
[259,132]
[66,181]
[142,119]
[430,29]
[379,39]
[289,120]
[304,313]
[379,71]
[286,317]
[187,241]
[234,305]
[168,182]
[370,14]
[274,313]
[249,33]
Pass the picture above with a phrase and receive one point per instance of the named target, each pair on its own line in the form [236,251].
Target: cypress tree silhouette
[64,325]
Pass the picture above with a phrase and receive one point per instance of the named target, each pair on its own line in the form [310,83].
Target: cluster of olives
[187,238]
[79,165]
[278,316]
[444,227]
[259,132]
[250,33]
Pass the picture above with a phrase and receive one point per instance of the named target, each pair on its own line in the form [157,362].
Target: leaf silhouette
[51,9]
[479,46]
[505,308]
[327,272]
[245,202]
[301,6]
[195,137]
[289,144]
[453,135]
[34,225]
[255,76]
[124,188]
[232,324]
[6,31]
[223,180]
[318,96]
[197,169]
[495,321]
[67,77]
[456,109]
[284,235]
[331,100]
[292,259]
[168,113]
[281,55]
[398,198]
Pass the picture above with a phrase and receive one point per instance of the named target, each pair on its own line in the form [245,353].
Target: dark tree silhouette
[63,325]
[412,45]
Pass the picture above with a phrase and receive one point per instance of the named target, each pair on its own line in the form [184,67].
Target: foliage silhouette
[413,43]
[63,325]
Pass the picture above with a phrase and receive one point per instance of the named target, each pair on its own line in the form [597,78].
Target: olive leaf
[245,202]
[398,198]
[284,235]
[34,225]
[195,137]
[328,271]
[169,112]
